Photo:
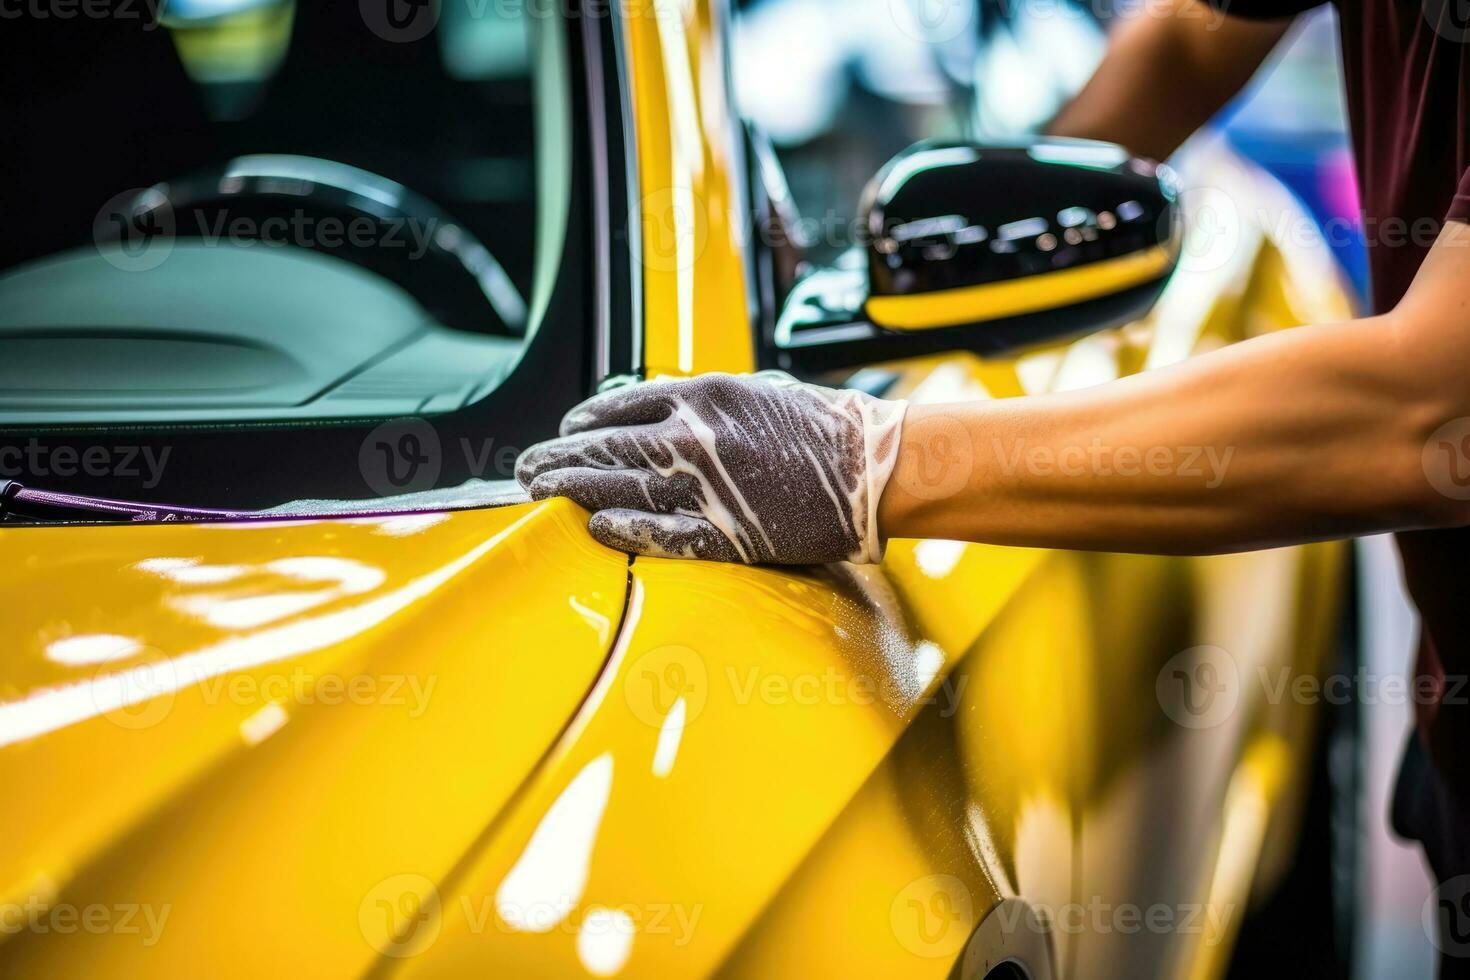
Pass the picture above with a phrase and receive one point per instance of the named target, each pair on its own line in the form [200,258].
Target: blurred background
[839,86]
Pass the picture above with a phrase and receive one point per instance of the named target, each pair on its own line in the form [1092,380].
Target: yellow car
[412,725]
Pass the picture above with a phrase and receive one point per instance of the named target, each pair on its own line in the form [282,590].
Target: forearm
[1182,60]
[1309,434]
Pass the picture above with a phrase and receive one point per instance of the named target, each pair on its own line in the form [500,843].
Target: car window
[262,210]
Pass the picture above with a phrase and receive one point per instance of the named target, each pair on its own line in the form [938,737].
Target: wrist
[937,462]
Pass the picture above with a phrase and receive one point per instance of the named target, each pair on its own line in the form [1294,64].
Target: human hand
[754,468]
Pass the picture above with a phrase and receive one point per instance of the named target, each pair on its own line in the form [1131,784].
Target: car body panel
[724,743]
[308,708]
[690,170]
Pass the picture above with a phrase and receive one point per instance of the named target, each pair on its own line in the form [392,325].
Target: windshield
[254,210]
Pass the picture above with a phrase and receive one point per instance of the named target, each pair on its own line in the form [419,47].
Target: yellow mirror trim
[1044,291]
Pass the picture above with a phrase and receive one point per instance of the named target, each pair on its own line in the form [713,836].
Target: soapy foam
[778,471]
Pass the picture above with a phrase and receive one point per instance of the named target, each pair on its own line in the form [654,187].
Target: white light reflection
[189,571]
[94,648]
[246,612]
[937,559]
[928,659]
[263,724]
[982,848]
[605,941]
[352,577]
[593,618]
[409,524]
[48,709]
[250,611]
[669,736]
[547,881]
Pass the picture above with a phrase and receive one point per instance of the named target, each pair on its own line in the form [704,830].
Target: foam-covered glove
[753,468]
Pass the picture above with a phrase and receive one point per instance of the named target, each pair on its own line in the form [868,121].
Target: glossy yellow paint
[719,750]
[1046,291]
[280,719]
[695,289]
[979,801]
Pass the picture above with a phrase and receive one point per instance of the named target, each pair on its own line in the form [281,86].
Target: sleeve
[1460,206]
[1263,9]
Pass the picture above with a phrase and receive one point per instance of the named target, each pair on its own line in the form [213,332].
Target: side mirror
[989,248]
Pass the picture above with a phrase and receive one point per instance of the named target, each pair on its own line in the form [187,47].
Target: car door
[1045,773]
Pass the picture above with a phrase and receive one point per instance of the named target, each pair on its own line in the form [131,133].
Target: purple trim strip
[48,499]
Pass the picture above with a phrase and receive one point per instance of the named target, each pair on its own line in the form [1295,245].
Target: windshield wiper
[17,501]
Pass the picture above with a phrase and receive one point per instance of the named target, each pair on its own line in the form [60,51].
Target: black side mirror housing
[989,248]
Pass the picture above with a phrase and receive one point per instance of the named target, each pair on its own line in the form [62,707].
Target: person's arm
[1168,69]
[1311,433]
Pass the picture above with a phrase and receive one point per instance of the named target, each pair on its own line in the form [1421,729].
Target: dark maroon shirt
[1406,65]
